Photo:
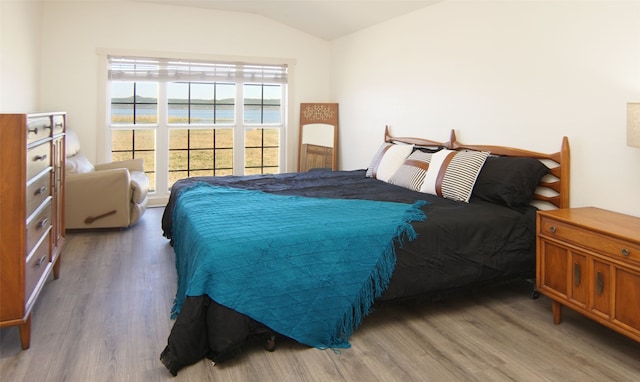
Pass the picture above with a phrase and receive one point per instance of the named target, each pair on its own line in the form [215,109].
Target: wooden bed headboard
[553,190]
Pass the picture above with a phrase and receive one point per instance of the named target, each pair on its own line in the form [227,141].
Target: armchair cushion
[78,164]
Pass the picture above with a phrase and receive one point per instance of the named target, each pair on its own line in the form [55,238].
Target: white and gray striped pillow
[452,174]
[412,172]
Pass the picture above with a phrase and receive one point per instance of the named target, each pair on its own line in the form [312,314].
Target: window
[134,104]
[262,106]
[197,118]
[200,151]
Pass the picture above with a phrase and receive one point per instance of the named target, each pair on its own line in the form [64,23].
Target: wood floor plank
[107,319]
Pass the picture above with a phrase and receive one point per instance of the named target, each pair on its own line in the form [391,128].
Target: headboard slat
[551,199]
[555,185]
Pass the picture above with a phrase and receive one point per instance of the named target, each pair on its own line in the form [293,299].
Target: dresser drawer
[38,128]
[37,192]
[58,124]
[38,158]
[36,267]
[588,239]
[38,226]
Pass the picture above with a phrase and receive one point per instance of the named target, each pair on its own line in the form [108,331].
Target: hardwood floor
[107,319]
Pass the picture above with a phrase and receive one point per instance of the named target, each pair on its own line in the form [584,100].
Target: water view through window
[200,121]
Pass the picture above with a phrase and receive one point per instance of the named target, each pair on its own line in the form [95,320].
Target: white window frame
[288,135]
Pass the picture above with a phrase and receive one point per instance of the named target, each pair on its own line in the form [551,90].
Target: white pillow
[387,160]
[452,174]
[78,164]
[72,143]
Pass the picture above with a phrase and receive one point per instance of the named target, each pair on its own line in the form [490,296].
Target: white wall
[75,31]
[521,74]
[512,73]
[20,53]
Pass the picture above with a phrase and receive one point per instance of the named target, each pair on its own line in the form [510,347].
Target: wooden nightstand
[588,259]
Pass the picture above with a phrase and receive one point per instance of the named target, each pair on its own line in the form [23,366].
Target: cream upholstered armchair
[102,196]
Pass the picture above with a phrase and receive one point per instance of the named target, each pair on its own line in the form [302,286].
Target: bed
[472,225]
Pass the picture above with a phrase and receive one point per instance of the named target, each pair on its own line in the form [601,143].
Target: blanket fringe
[379,279]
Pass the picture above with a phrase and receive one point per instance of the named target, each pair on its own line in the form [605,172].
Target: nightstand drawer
[588,239]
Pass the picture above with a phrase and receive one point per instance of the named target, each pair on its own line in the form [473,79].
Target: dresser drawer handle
[553,229]
[34,130]
[599,283]
[58,124]
[40,190]
[625,252]
[43,223]
[40,157]
[40,261]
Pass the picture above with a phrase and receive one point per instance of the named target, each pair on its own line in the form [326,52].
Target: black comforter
[459,246]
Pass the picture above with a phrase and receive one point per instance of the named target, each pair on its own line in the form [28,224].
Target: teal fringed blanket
[308,268]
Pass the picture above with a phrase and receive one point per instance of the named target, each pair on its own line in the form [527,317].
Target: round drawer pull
[553,229]
[625,252]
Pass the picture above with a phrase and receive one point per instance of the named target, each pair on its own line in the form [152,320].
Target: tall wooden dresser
[32,232]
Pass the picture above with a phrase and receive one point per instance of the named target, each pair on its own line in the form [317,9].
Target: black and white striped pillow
[412,172]
[452,174]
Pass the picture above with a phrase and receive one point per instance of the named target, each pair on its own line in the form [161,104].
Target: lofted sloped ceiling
[326,19]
